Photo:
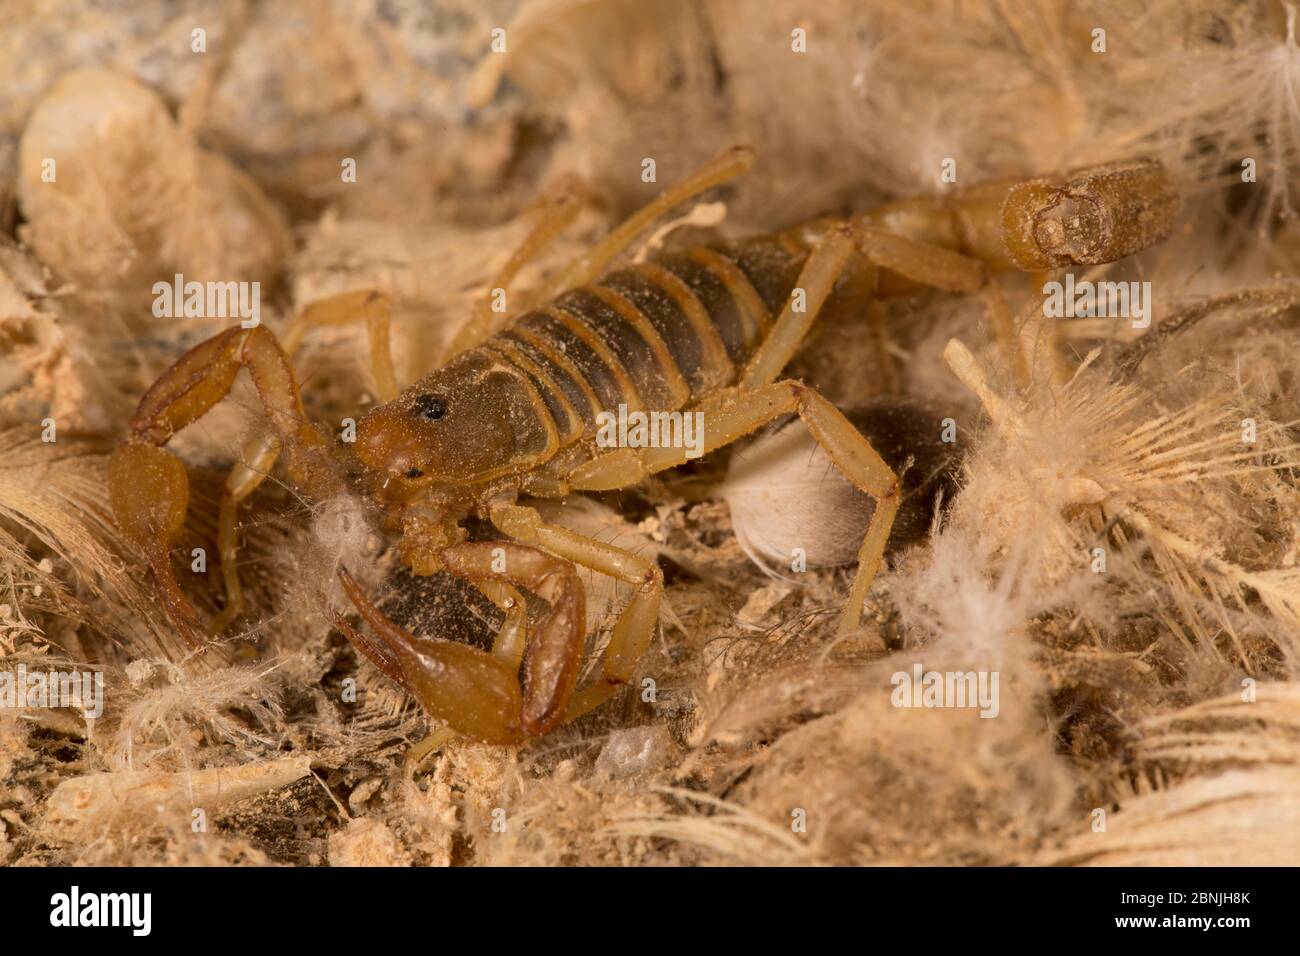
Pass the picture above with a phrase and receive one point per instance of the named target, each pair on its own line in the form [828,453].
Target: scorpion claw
[472,692]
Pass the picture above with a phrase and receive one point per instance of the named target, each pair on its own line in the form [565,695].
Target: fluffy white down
[785,493]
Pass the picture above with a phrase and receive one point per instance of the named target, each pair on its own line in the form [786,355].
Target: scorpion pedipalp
[149,493]
[474,692]
[148,488]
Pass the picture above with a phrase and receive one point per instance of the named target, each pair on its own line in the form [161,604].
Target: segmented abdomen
[654,336]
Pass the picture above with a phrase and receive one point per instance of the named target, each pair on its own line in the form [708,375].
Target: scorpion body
[516,415]
[661,335]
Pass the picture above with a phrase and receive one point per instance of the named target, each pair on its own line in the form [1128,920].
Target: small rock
[636,750]
[363,792]
[367,842]
[139,671]
[762,601]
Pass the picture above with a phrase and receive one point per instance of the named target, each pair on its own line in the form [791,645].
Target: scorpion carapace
[515,413]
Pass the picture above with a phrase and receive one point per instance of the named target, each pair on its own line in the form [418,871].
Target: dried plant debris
[1080,648]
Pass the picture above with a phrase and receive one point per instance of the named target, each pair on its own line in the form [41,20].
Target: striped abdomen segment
[653,336]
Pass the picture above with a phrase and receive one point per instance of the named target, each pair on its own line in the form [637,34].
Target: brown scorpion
[704,329]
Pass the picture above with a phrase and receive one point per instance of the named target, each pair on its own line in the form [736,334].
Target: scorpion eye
[414,473]
[430,407]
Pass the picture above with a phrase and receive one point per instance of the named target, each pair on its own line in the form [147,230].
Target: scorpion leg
[918,261]
[727,165]
[758,400]
[509,644]
[148,488]
[476,693]
[194,110]
[737,412]
[259,454]
[635,626]
[940,268]
[922,262]
[368,305]
[816,278]
[557,210]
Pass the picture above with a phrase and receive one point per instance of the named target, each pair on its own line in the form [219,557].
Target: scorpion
[513,416]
